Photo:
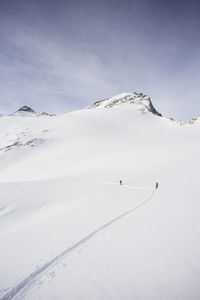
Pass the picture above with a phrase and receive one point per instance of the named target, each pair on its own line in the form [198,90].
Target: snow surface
[68,230]
[140,101]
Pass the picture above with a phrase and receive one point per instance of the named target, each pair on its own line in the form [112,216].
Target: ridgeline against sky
[63,55]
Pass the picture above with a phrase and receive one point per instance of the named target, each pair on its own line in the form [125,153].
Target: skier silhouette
[120,182]
[156,185]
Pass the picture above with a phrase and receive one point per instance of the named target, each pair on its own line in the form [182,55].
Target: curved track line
[22,285]
[136,187]
[126,184]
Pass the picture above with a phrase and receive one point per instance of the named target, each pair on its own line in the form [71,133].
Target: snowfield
[68,230]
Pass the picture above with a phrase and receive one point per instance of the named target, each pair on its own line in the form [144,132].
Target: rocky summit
[26,109]
[142,101]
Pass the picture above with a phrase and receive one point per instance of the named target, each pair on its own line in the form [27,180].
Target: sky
[58,56]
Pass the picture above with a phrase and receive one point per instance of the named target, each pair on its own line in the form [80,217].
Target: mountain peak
[142,101]
[26,111]
[26,108]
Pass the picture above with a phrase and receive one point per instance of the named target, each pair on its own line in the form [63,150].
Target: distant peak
[26,109]
[142,101]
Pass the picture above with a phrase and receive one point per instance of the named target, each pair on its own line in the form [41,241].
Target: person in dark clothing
[120,182]
[156,185]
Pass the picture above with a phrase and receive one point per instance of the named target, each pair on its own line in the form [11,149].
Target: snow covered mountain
[142,102]
[69,230]
[26,111]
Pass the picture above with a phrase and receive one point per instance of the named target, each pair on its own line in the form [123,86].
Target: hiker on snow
[120,182]
[156,185]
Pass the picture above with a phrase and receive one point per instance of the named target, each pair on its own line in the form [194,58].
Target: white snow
[64,231]
[141,102]
[23,114]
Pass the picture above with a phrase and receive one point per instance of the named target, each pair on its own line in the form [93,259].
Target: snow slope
[68,230]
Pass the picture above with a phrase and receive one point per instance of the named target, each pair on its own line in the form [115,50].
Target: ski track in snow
[33,277]
[127,185]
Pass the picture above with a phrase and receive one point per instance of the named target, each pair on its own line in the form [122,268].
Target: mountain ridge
[142,101]
[27,111]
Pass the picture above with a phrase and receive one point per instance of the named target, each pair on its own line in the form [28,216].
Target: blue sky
[59,56]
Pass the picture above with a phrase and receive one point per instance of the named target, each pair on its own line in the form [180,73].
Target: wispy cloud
[62,57]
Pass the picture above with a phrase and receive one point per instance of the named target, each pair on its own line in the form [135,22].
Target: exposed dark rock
[46,114]
[143,101]
[26,109]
